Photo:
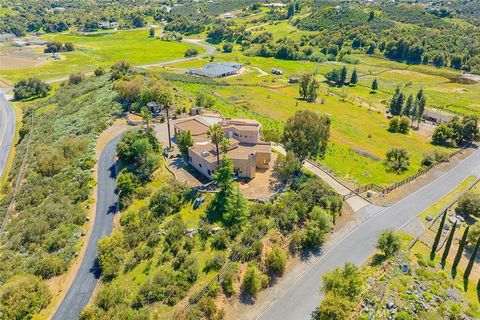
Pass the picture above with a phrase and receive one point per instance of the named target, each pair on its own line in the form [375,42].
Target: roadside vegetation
[43,235]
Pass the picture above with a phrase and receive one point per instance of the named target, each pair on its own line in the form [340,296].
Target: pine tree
[407,109]
[374,85]
[343,76]
[437,237]
[448,244]
[396,104]
[420,102]
[354,77]
[461,246]
[472,260]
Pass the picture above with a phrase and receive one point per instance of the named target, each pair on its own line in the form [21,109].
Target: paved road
[88,274]
[301,298]
[7,129]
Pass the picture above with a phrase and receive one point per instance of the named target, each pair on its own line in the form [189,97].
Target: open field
[101,49]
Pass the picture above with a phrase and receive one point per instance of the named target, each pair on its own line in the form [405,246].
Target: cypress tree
[396,104]
[354,77]
[420,102]
[472,260]
[343,76]
[437,237]
[448,244]
[408,108]
[374,85]
[460,248]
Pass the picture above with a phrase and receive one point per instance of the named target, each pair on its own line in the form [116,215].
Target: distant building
[108,25]
[6,37]
[274,5]
[468,78]
[277,71]
[217,70]
[436,116]
[38,42]
[19,43]
[246,151]
[294,80]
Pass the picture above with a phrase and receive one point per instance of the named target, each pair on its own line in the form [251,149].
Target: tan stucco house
[247,152]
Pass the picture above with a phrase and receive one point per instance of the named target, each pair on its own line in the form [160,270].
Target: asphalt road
[301,298]
[7,129]
[88,273]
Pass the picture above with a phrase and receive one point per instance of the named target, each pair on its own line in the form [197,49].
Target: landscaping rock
[446,226]
[429,218]
[390,305]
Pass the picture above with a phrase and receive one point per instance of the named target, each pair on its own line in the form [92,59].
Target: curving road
[7,129]
[88,273]
[301,298]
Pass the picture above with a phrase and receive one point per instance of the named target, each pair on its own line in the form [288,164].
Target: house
[19,43]
[154,108]
[436,116]
[6,37]
[217,70]
[247,152]
[108,25]
[294,80]
[274,5]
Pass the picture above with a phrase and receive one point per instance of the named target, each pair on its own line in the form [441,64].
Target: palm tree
[225,146]
[216,135]
[165,100]
[147,116]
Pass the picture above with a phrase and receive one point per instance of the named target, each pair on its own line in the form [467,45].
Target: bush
[399,124]
[473,234]
[30,88]
[254,281]
[469,203]
[76,78]
[168,199]
[276,261]
[333,307]
[343,282]
[220,240]
[22,297]
[434,157]
[350,59]
[397,160]
[227,47]
[287,166]
[389,243]
[191,52]
[216,262]
[99,72]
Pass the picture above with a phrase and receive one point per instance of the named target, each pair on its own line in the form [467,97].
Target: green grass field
[101,49]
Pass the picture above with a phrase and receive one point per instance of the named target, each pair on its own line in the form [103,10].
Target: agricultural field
[97,49]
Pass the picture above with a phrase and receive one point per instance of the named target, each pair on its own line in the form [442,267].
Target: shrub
[397,160]
[434,157]
[276,261]
[399,124]
[168,199]
[76,78]
[191,52]
[254,281]
[350,59]
[469,203]
[287,166]
[30,88]
[343,282]
[333,307]
[99,72]
[220,240]
[389,243]
[473,234]
[216,262]
[227,47]
[22,297]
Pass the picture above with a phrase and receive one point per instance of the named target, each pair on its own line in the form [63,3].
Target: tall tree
[374,85]
[448,244]
[468,270]
[216,135]
[312,90]
[223,178]
[396,104]
[343,75]
[306,134]
[354,77]
[165,100]
[461,246]
[420,102]
[438,235]
[408,107]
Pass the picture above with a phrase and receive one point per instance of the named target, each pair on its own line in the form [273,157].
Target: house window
[200,165]
[209,172]
[189,159]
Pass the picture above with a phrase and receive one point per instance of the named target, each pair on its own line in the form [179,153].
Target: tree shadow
[306,254]
[478,290]
[377,259]
[454,273]
[95,269]
[246,298]
[465,284]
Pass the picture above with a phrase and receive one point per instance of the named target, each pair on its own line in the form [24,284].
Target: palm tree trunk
[168,128]
[218,155]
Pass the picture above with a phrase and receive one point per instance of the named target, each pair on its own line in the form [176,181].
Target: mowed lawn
[102,49]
